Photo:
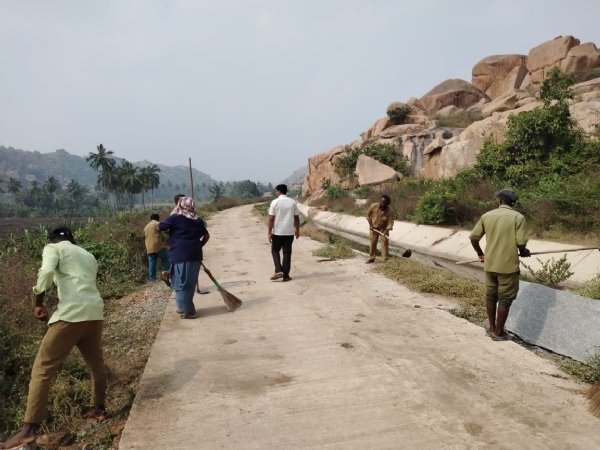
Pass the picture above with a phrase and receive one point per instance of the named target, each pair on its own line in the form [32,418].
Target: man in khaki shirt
[77,322]
[380,218]
[155,247]
[506,236]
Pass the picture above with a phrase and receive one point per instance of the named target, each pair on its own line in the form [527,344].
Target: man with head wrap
[506,239]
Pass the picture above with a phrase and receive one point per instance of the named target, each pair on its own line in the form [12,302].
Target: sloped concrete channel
[559,321]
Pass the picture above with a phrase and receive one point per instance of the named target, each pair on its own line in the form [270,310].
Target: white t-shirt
[284,209]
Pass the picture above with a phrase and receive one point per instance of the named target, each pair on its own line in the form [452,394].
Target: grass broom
[231,301]
[594,397]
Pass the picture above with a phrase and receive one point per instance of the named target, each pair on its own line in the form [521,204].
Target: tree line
[119,187]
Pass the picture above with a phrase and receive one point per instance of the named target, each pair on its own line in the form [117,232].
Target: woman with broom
[187,236]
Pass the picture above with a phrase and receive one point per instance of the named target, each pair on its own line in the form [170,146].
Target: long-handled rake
[540,253]
[407,253]
[231,301]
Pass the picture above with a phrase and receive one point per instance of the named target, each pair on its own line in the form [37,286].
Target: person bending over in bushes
[77,322]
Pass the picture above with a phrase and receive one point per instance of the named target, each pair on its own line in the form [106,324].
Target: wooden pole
[191,179]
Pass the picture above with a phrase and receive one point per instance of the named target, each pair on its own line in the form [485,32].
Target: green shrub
[435,207]
[399,114]
[383,152]
[591,289]
[552,272]
[363,191]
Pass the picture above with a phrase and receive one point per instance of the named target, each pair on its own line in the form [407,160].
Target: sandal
[506,337]
[165,277]
[488,334]
[193,315]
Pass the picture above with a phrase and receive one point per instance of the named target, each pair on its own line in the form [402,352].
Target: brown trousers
[60,338]
[384,245]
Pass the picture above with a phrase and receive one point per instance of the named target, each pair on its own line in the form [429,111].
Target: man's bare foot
[24,437]
[98,413]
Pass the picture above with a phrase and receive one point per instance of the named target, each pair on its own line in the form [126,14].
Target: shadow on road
[222,309]
[158,386]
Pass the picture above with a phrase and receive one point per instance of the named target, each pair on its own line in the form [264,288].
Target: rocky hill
[295,180]
[446,128]
[29,166]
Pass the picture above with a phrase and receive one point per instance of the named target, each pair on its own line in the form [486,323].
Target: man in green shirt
[77,322]
[506,236]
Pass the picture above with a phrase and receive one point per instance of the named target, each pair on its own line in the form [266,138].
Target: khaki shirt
[73,270]
[505,229]
[380,219]
[154,242]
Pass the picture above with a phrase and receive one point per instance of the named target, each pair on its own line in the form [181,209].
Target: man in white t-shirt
[284,224]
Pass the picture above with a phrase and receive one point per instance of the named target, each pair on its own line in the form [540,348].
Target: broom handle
[210,275]
[541,253]
[379,232]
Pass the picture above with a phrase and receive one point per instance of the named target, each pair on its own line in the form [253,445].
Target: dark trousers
[282,243]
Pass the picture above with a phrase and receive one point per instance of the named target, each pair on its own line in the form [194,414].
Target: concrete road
[340,358]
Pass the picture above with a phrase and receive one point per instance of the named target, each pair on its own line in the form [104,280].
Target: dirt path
[340,358]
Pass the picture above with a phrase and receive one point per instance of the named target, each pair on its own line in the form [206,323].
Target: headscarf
[186,207]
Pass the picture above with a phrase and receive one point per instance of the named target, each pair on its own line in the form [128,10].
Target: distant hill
[28,166]
[295,180]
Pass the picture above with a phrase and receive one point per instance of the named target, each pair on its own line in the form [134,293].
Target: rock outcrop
[371,171]
[323,166]
[495,75]
[564,52]
[459,93]
[501,87]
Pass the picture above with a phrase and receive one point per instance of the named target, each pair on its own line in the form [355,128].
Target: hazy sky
[248,89]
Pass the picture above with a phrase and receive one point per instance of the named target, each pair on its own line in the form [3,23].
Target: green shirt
[505,229]
[73,270]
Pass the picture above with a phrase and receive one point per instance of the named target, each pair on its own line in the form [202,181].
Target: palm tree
[13,186]
[151,179]
[101,160]
[1,182]
[217,192]
[52,186]
[35,184]
[129,178]
[75,193]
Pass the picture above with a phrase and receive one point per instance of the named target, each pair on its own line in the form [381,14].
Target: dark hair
[154,217]
[281,188]
[61,233]
[387,197]
[178,197]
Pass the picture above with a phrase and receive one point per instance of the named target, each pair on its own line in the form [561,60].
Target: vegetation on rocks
[383,152]
[399,114]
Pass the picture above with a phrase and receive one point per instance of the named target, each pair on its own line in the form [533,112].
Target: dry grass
[418,277]
[338,249]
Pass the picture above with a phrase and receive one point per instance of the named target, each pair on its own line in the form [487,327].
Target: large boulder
[587,86]
[493,70]
[413,146]
[581,59]
[378,127]
[501,104]
[400,130]
[587,115]
[323,166]
[371,171]
[544,57]
[451,112]
[493,127]
[416,105]
[453,158]
[512,81]
[459,93]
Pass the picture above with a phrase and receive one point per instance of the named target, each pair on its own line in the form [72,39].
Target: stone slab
[559,321]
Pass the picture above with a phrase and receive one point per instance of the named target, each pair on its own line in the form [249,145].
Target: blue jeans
[163,254]
[184,277]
